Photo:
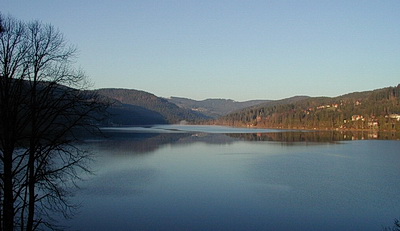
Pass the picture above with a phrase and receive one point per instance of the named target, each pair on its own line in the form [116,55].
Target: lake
[172,177]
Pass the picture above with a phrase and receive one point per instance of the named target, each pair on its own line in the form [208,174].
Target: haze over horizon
[239,50]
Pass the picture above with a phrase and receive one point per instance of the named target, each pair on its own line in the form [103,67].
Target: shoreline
[309,129]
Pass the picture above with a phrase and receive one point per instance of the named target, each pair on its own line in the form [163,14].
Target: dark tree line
[44,109]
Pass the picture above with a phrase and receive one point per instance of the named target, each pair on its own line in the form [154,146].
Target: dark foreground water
[216,178]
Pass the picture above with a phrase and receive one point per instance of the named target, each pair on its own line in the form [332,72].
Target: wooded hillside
[133,107]
[378,110]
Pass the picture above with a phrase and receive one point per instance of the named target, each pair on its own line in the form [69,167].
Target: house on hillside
[357,118]
[394,116]
[373,124]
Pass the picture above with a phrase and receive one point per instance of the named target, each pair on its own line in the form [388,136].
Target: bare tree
[12,54]
[1,23]
[43,108]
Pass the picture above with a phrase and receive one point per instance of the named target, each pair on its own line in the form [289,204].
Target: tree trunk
[32,154]
[8,203]
[31,189]
[8,141]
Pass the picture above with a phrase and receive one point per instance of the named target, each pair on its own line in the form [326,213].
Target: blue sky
[240,50]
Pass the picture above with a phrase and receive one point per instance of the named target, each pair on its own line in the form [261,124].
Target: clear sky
[242,50]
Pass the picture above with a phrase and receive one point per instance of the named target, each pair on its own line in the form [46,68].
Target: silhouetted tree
[395,227]
[43,109]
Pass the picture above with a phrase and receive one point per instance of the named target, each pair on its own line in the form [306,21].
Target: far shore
[310,129]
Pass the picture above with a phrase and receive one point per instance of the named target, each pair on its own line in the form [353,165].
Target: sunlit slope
[378,110]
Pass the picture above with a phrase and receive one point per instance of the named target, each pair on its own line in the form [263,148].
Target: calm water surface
[217,178]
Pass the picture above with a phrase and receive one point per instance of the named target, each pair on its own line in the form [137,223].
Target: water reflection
[316,136]
[190,180]
[141,142]
[138,143]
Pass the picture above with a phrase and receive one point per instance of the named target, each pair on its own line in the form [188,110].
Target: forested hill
[378,110]
[133,107]
[214,107]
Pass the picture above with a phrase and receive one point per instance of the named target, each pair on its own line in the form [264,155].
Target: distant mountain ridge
[214,107]
[134,107]
[377,110]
